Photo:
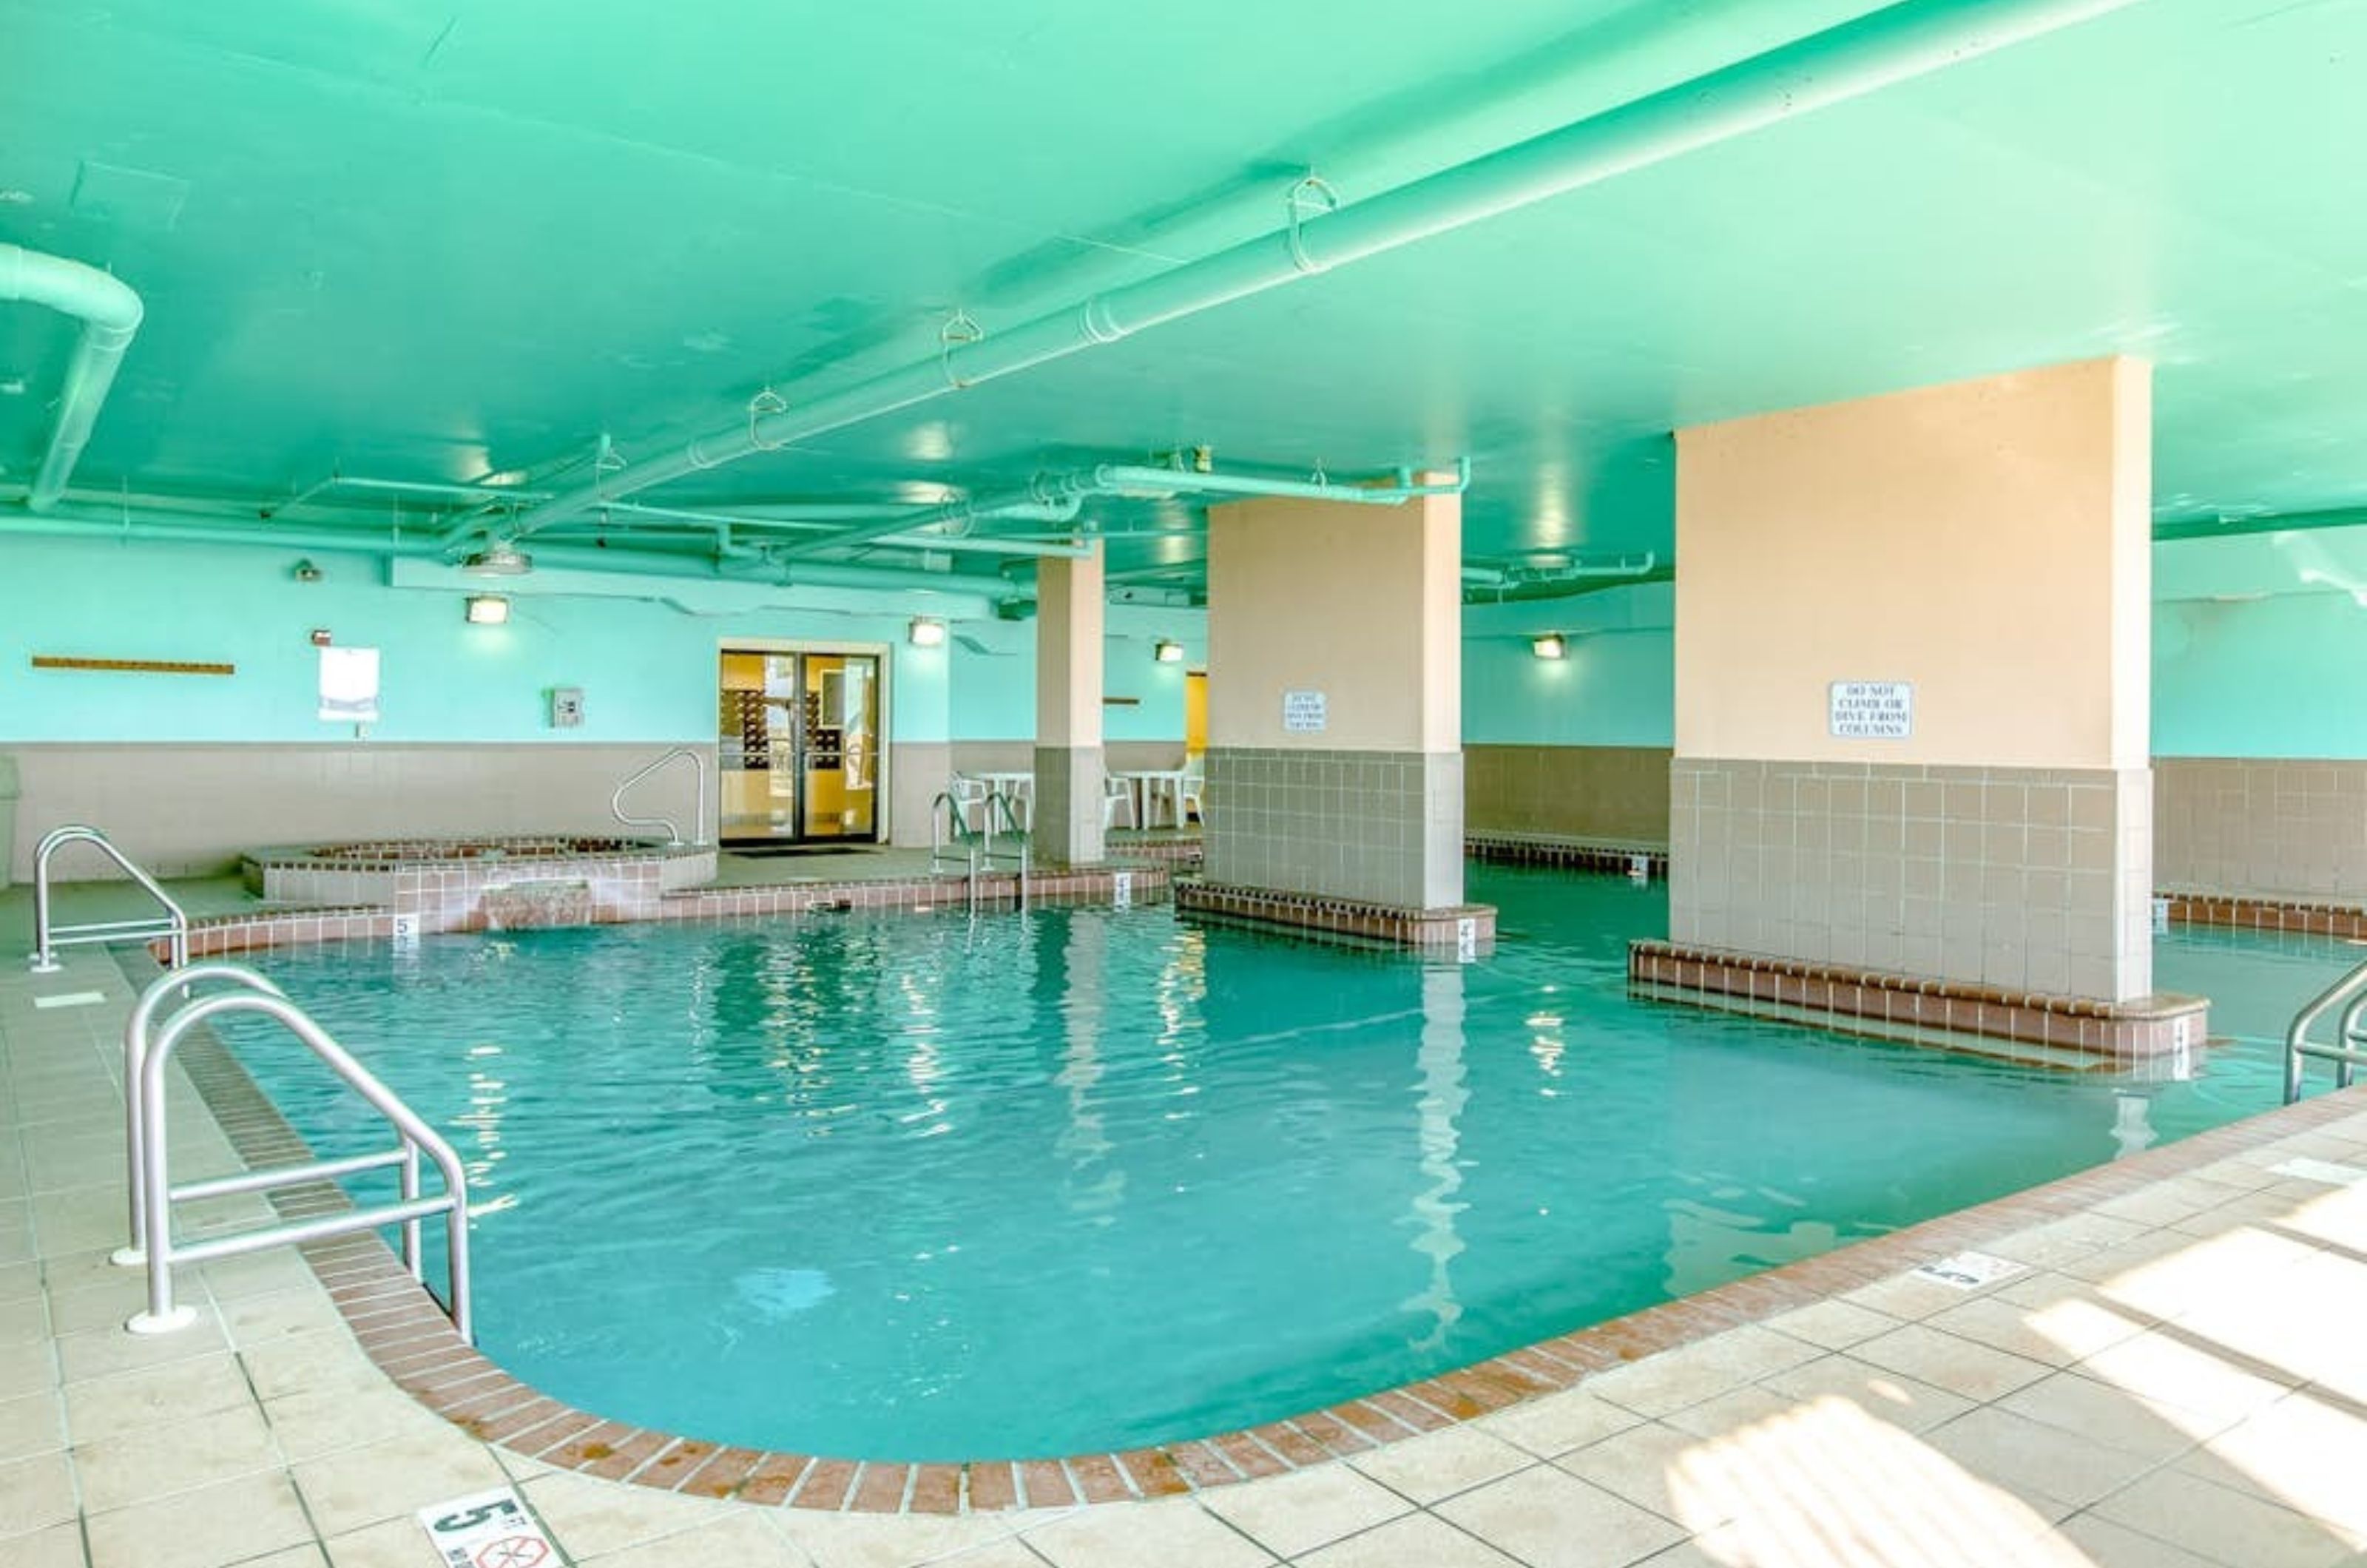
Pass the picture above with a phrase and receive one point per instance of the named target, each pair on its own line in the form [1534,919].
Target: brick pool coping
[405,1333]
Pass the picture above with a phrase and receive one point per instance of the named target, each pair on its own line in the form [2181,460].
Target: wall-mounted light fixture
[1167,650]
[1552,645]
[488,610]
[307,572]
[927,633]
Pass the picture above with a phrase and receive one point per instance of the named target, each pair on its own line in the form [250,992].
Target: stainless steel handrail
[48,938]
[978,848]
[180,983]
[2351,990]
[989,854]
[674,834]
[414,1137]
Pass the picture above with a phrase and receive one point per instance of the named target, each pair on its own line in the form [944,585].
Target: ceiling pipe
[109,313]
[1057,498]
[1873,51]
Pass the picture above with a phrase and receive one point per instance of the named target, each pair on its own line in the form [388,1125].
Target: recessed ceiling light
[12,386]
[11,197]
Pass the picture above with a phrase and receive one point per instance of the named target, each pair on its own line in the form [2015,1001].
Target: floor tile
[591,1517]
[1959,1366]
[60,1546]
[1637,1465]
[740,1540]
[2054,1471]
[30,1424]
[1439,1464]
[2217,1522]
[98,1408]
[35,1493]
[1418,1541]
[2109,1545]
[1831,1324]
[1559,1422]
[137,1465]
[1549,1519]
[1888,1395]
[2099,1411]
[394,1478]
[206,1529]
[1658,1385]
[1295,1513]
[1145,1535]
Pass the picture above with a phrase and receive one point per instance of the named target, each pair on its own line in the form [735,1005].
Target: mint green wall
[647,667]
[1617,687]
[993,696]
[2258,646]
[642,649]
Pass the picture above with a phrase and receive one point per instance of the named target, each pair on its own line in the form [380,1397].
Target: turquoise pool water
[924,1189]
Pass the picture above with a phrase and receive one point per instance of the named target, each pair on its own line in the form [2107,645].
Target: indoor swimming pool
[935,1189]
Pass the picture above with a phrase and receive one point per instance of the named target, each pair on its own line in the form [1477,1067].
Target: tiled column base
[2347,921]
[1568,853]
[1369,827]
[1463,931]
[1066,827]
[2024,879]
[1903,1007]
[2274,828]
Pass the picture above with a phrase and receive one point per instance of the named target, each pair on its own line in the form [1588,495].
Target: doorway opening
[797,746]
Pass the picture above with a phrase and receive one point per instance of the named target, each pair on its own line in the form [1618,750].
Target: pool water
[935,1189]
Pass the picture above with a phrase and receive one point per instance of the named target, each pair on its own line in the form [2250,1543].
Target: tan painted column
[1985,545]
[1068,819]
[1336,700]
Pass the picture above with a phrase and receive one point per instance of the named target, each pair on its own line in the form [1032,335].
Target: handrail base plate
[173,1321]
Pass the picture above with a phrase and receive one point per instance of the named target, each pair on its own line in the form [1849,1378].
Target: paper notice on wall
[349,685]
[1873,710]
[1303,712]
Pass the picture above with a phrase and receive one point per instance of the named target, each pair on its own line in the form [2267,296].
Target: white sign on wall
[1873,710]
[349,685]
[1302,711]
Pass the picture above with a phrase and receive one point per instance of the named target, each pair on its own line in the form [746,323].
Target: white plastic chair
[1191,789]
[970,800]
[1118,796]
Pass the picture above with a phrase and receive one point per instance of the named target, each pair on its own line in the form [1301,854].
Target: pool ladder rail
[173,924]
[954,845]
[2347,1050]
[673,833]
[166,1013]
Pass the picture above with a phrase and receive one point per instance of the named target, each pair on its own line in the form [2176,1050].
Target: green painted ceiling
[435,240]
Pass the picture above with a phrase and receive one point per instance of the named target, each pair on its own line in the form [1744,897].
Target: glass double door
[797,744]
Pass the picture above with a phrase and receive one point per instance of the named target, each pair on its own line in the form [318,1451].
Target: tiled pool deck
[2176,1377]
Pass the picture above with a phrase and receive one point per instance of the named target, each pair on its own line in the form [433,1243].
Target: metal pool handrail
[978,847]
[2349,1036]
[182,983]
[413,1138]
[674,834]
[48,938]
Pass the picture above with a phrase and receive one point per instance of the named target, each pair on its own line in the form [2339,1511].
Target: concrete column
[1983,550]
[1335,759]
[1067,820]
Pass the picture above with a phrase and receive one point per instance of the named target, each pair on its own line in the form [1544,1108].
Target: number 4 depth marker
[488,1530]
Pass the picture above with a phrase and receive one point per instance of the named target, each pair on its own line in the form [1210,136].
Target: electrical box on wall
[566,707]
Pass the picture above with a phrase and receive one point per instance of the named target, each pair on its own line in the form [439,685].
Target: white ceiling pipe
[1873,52]
[109,313]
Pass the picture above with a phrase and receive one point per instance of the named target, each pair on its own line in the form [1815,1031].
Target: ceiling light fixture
[927,633]
[497,560]
[488,610]
[1552,645]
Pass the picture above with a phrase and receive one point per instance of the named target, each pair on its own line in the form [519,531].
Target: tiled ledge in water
[1904,1007]
[1147,883]
[406,1334]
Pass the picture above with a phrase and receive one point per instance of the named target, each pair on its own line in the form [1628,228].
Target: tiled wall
[2273,828]
[189,809]
[2023,878]
[1382,827]
[1617,792]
